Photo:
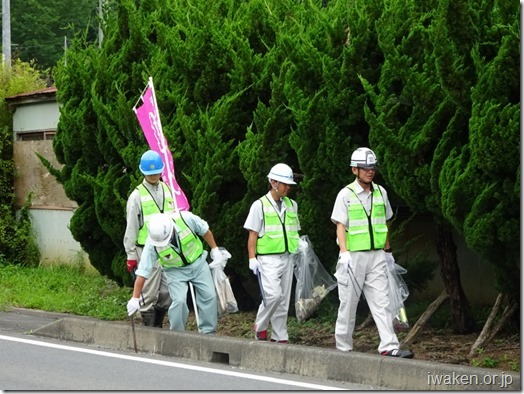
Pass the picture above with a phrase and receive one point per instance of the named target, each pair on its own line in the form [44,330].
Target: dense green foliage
[444,117]
[40,28]
[242,85]
[17,243]
[481,181]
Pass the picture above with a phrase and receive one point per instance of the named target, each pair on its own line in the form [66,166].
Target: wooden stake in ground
[488,331]
[366,323]
[423,319]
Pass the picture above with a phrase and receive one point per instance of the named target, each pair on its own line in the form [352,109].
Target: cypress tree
[418,112]
[213,71]
[335,44]
[481,181]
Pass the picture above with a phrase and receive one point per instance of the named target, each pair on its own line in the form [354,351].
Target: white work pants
[369,276]
[276,277]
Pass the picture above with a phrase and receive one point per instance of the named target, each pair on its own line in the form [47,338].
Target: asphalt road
[31,363]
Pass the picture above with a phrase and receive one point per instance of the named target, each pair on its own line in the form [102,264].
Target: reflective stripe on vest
[366,232]
[278,237]
[149,208]
[191,247]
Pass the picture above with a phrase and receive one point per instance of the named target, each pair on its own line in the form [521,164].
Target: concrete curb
[320,363]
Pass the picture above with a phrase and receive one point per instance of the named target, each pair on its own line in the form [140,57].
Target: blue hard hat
[151,163]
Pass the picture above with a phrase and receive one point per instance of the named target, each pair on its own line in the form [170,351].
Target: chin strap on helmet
[363,158]
[360,179]
[275,188]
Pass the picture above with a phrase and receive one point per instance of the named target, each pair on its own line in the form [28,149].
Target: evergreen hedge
[242,85]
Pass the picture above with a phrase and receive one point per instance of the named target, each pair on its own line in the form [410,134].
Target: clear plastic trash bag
[313,281]
[398,293]
[227,302]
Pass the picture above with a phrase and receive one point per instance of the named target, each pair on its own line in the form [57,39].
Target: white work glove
[254,265]
[345,260]
[225,254]
[219,257]
[132,306]
[390,261]
[216,254]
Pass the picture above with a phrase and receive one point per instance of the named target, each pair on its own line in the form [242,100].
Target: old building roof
[49,92]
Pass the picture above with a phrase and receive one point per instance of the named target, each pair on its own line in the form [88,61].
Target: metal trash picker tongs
[132,317]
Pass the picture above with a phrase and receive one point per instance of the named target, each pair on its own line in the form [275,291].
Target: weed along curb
[320,363]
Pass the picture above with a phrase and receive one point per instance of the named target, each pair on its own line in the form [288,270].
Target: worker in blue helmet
[151,197]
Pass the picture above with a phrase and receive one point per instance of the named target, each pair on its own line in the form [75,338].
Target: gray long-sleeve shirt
[135,217]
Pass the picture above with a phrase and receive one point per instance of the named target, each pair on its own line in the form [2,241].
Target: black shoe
[148,318]
[398,353]
[159,317]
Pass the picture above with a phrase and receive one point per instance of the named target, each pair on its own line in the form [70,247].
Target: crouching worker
[174,241]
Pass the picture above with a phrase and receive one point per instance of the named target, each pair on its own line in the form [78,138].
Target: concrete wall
[56,244]
[31,177]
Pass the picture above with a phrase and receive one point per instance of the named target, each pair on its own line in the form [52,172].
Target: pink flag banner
[149,119]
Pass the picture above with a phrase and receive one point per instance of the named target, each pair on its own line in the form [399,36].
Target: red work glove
[131,265]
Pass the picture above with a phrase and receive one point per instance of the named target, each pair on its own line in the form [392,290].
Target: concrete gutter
[320,363]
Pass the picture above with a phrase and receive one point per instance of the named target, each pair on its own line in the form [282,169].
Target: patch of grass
[63,288]
[487,362]
[514,365]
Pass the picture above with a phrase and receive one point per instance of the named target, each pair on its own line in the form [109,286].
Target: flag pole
[140,98]
[159,124]
[191,288]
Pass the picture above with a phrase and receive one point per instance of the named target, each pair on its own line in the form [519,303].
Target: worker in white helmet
[360,213]
[273,240]
[174,240]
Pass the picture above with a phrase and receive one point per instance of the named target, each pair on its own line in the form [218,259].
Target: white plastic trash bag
[226,299]
[313,281]
[398,293]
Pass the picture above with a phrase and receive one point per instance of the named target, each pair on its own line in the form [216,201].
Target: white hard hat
[363,157]
[282,173]
[160,228]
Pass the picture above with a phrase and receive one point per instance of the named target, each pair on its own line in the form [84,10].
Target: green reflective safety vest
[149,208]
[279,237]
[190,245]
[366,232]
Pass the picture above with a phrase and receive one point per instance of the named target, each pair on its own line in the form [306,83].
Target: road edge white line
[170,364]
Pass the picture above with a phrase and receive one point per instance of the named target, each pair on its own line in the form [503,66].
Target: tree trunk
[423,319]
[449,269]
